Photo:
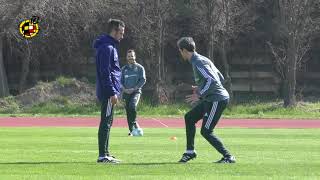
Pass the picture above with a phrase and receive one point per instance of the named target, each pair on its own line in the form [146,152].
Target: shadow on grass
[93,163]
[44,162]
[148,164]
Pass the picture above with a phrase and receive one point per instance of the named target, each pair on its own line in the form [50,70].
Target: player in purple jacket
[108,83]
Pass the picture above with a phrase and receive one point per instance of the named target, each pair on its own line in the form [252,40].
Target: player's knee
[205,132]
[103,129]
[187,117]
[109,124]
[132,108]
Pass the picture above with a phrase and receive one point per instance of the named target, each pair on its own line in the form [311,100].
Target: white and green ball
[137,132]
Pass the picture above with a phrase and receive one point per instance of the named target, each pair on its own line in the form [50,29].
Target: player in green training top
[132,80]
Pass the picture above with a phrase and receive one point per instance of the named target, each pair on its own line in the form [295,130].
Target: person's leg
[191,118]
[104,133]
[132,107]
[104,127]
[214,111]
[127,98]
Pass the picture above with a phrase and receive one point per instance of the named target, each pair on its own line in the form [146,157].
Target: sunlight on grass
[62,106]
[71,153]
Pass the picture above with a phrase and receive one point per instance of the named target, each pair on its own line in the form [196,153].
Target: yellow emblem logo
[29,28]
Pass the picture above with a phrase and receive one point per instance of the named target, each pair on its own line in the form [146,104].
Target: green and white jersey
[208,79]
[133,76]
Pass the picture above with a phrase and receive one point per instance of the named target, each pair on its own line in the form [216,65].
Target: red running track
[153,122]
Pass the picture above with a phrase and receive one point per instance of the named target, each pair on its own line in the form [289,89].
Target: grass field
[272,109]
[55,103]
[70,153]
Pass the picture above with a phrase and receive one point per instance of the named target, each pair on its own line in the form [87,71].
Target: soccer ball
[137,132]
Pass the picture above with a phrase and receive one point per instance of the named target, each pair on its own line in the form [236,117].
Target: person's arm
[106,56]
[204,73]
[142,78]
[122,78]
[221,78]
[123,87]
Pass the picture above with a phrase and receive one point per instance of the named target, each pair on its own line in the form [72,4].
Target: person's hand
[125,90]
[129,91]
[114,99]
[192,99]
[194,89]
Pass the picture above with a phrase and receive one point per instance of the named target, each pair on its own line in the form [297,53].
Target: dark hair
[114,24]
[187,43]
[130,50]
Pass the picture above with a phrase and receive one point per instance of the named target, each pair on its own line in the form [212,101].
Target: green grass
[62,80]
[273,110]
[245,105]
[70,153]
[242,107]
[64,107]
[9,105]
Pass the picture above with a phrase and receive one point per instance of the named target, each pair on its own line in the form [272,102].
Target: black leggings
[132,101]
[210,112]
[104,127]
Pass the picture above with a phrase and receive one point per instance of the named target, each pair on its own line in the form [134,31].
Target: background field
[71,97]
[249,109]
[70,153]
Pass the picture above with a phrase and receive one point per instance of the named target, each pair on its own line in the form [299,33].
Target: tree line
[288,28]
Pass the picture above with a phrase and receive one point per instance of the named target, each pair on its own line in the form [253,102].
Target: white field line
[160,122]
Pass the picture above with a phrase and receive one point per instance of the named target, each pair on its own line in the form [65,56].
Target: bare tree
[4,90]
[62,23]
[237,17]
[223,21]
[8,10]
[149,32]
[211,10]
[295,29]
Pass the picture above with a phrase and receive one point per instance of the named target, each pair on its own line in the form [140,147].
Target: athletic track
[154,122]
